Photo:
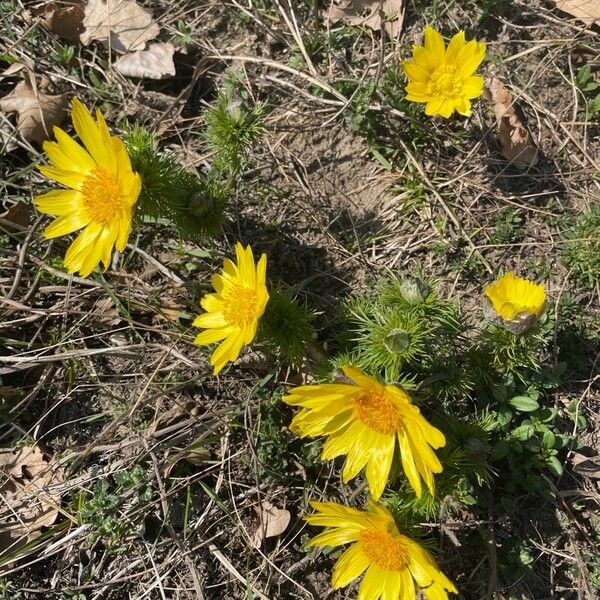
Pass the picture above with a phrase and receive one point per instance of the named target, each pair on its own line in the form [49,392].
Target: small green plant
[193,204]
[507,227]
[582,248]
[63,54]
[103,508]
[287,325]
[588,86]
[183,35]
[230,131]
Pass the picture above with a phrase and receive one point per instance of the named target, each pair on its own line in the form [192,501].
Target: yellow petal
[407,586]
[433,106]
[434,43]
[416,72]
[58,202]
[88,132]
[371,585]
[210,320]
[380,462]
[77,250]
[210,336]
[360,378]
[454,47]
[408,463]
[341,441]
[472,87]
[335,537]
[72,149]
[72,179]
[392,589]
[66,224]
[349,567]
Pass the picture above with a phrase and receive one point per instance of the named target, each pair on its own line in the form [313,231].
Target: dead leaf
[587,11]
[515,140]
[66,22]
[587,466]
[27,487]
[106,312]
[154,63]
[17,214]
[368,13]
[122,23]
[274,522]
[37,112]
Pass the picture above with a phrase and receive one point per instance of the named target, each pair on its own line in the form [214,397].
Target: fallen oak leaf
[587,11]
[515,140]
[154,63]
[37,112]
[123,23]
[27,481]
[368,13]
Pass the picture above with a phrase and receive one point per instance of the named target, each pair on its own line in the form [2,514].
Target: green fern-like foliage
[194,205]
[231,130]
[287,325]
[406,329]
[498,351]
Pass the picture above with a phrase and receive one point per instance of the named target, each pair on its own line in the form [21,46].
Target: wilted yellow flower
[393,562]
[444,78]
[234,311]
[515,298]
[363,422]
[103,190]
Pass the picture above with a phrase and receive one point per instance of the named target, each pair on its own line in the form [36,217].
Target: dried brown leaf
[587,466]
[37,112]
[122,23]
[368,13]
[154,63]
[66,22]
[274,522]
[587,11]
[515,140]
[27,487]
[18,214]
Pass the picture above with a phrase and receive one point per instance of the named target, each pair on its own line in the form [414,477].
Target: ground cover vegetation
[299,300]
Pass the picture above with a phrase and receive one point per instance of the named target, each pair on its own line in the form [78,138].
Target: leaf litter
[28,488]
[387,15]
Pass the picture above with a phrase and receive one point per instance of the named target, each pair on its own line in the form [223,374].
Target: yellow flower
[103,190]
[443,78]
[514,298]
[393,562]
[363,422]
[234,311]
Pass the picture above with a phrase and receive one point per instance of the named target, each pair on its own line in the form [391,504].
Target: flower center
[383,550]
[241,306]
[101,196]
[377,413]
[445,81]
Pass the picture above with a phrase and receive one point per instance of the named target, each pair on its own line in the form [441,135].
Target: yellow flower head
[444,78]
[102,191]
[514,298]
[363,422]
[393,562]
[232,314]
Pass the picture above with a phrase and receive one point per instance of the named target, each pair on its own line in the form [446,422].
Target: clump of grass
[582,248]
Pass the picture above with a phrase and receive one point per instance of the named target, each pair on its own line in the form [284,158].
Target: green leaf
[524,403]
[382,160]
[503,417]
[548,439]
[523,432]
[554,466]
[500,450]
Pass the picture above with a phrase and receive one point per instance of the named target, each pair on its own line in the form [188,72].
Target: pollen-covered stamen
[101,197]
[241,305]
[446,81]
[383,550]
[377,412]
